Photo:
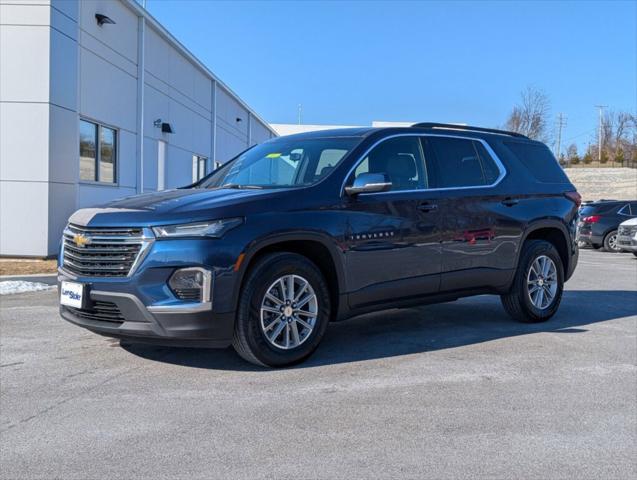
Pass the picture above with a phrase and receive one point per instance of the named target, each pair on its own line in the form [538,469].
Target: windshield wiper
[239,187]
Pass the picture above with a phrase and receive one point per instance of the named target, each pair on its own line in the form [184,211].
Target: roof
[336,132]
[455,130]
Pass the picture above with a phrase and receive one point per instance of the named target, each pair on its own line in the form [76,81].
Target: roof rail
[450,126]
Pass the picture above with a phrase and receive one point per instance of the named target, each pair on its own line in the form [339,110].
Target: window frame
[200,159]
[624,207]
[502,169]
[98,153]
[424,175]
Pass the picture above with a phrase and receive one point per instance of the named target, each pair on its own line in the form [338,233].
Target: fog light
[192,284]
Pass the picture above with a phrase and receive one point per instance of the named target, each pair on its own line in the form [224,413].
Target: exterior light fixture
[165,126]
[103,19]
[238,119]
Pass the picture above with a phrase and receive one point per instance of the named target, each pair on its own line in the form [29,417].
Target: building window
[98,153]
[199,167]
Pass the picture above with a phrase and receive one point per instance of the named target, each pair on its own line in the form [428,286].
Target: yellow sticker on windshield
[273,155]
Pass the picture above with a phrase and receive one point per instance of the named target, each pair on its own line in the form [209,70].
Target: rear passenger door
[478,240]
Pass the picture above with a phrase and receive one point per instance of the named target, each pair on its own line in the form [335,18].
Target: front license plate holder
[73,294]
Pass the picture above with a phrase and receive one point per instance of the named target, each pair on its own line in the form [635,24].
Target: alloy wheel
[542,282]
[612,242]
[288,312]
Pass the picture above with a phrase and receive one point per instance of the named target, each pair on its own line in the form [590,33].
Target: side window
[489,168]
[400,159]
[457,162]
[199,167]
[98,150]
[327,161]
[624,210]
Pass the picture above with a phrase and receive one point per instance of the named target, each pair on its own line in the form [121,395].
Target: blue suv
[317,227]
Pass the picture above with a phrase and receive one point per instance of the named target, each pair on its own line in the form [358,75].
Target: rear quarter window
[539,160]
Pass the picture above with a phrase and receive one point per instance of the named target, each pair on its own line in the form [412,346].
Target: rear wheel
[283,311]
[538,285]
[610,242]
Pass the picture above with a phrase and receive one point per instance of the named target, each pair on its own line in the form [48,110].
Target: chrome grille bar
[104,252]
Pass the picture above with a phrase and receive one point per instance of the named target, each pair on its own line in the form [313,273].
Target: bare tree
[618,143]
[572,158]
[531,116]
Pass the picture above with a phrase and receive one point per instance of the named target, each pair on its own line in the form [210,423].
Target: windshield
[280,163]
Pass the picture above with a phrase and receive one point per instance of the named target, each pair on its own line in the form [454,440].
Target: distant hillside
[611,183]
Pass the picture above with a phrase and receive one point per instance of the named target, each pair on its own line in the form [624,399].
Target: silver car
[627,236]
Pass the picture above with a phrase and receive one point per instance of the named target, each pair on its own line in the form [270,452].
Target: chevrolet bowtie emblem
[81,240]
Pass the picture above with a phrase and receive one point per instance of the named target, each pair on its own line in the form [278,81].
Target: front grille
[100,311]
[627,230]
[102,252]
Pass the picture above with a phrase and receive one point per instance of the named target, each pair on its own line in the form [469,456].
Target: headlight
[214,228]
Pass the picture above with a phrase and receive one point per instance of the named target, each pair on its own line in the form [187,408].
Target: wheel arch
[554,232]
[318,248]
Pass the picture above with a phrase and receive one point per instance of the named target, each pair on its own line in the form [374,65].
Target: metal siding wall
[76,68]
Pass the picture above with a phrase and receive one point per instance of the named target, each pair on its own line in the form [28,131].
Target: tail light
[575,197]
[591,219]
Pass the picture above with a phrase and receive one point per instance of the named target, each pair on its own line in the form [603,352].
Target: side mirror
[369,183]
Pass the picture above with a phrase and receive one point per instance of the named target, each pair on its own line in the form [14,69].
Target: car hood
[630,223]
[172,206]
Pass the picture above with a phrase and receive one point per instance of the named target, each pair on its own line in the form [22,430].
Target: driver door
[392,239]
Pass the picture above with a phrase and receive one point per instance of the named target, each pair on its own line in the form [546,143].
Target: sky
[349,63]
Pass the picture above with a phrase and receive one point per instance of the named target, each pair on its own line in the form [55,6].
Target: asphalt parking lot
[446,391]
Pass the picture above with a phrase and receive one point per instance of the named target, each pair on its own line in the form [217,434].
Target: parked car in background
[599,222]
[627,236]
[316,227]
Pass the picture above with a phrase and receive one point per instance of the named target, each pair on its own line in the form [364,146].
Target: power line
[590,130]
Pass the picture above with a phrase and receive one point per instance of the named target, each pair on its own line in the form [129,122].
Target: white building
[86,107]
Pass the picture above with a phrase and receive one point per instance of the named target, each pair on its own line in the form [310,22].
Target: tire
[518,302]
[250,339]
[610,242]
[635,253]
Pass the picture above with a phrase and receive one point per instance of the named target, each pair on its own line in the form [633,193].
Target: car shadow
[417,330]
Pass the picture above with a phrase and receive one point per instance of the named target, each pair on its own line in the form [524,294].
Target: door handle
[509,202]
[427,207]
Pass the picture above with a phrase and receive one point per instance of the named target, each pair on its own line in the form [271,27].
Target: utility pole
[599,138]
[300,112]
[561,123]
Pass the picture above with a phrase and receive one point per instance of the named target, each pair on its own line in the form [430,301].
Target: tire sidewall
[252,296]
[538,249]
[607,246]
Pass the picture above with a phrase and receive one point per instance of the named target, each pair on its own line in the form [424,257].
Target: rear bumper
[183,324]
[590,238]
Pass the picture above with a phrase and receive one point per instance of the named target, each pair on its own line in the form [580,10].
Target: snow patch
[20,286]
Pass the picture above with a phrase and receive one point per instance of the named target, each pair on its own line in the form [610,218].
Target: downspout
[141,35]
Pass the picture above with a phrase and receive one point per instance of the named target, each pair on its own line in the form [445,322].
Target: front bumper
[627,243]
[181,325]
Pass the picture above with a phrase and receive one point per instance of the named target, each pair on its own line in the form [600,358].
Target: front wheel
[610,242]
[283,311]
[538,284]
